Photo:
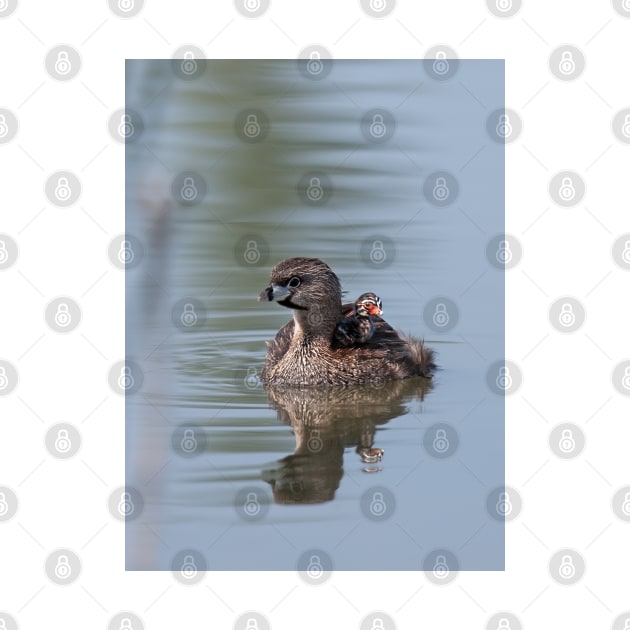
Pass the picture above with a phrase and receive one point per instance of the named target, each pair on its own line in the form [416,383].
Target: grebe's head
[302,284]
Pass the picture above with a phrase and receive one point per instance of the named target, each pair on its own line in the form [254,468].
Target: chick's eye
[294,282]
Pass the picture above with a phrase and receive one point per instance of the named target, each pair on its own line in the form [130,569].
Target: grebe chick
[357,326]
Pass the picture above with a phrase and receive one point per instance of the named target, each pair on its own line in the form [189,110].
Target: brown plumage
[304,351]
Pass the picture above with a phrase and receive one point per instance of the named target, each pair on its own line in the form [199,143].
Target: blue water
[199,381]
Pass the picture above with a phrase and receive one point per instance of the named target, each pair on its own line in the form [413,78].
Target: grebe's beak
[274,292]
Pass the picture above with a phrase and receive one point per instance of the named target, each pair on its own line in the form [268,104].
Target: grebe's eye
[294,282]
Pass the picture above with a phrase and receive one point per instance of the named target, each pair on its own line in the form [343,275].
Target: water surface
[238,476]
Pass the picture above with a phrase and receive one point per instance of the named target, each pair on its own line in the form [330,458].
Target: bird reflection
[326,421]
